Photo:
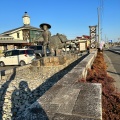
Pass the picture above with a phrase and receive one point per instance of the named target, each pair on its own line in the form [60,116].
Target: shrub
[110,97]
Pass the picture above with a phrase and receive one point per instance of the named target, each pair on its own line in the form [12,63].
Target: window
[15,52]
[33,47]
[30,52]
[22,52]
[9,53]
[39,47]
[18,35]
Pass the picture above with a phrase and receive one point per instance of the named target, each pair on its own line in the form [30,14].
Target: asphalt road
[115,48]
[113,62]
[115,59]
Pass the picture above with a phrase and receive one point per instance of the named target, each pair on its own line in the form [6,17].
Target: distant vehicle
[17,57]
[39,51]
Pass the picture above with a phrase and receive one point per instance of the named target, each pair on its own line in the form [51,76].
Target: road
[113,62]
[115,49]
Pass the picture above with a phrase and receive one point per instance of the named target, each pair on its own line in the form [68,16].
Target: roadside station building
[19,37]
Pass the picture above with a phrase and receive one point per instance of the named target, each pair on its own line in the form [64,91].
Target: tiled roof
[22,27]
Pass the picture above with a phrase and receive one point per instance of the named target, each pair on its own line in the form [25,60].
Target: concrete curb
[89,61]
[114,51]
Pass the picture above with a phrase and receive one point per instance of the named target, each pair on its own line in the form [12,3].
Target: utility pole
[119,40]
[105,39]
[98,10]
[101,33]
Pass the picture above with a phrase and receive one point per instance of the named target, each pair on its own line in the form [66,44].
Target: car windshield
[8,53]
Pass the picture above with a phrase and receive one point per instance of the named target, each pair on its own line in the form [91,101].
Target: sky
[69,17]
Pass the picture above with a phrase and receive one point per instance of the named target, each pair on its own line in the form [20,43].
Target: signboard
[110,41]
[93,36]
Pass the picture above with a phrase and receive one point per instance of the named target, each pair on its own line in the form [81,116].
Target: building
[82,43]
[21,36]
[84,38]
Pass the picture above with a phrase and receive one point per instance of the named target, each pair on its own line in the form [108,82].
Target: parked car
[17,57]
[39,51]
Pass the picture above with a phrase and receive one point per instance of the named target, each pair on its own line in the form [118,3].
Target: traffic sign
[110,41]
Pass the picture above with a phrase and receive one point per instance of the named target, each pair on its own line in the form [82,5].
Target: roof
[13,41]
[22,27]
[78,37]
[86,36]
[83,37]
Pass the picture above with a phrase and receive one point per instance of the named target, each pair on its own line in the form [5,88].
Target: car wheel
[38,56]
[2,64]
[22,63]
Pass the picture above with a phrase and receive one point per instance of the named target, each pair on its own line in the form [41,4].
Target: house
[84,38]
[83,42]
[21,36]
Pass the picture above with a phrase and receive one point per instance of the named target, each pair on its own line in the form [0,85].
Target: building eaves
[5,36]
[13,41]
[22,27]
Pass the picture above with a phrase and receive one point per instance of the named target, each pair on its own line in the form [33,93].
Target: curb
[114,51]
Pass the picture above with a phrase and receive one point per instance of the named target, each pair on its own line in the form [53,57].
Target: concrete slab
[67,99]
[89,101]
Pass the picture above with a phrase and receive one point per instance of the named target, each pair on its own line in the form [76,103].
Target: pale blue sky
[69,17]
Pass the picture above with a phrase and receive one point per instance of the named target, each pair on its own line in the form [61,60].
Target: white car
[17,57]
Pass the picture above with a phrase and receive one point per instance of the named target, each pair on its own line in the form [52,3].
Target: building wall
[15,35]
[24,34]
[88,42]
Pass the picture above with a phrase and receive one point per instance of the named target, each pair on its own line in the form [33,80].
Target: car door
[30,55]
[8,58]
[15,57]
